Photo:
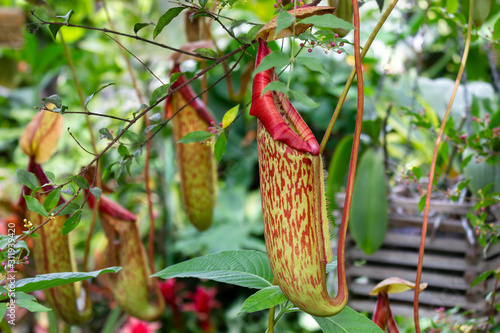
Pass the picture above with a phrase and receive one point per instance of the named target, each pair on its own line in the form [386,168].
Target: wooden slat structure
[452,260]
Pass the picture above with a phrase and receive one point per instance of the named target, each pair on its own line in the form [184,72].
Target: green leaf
[87,100]
[27,178]
[44,281]
[35,205]
[150,127]
[54,29]
[31,306]
[220,146]
[417,172]
[315,65]
[69,209]
[337,170]
[196,136]
[230,116]
[123,151]
[155,118]
[483,276]
[66,17]
[243,268]
[273,59]
[71,223]
[96,192]
[275,86]
[263,299]
[373,127]
[52,199]
[235,24]
[421,203]
[202,3]
[139,26]
[328,21]
[80,181]
[285,19]
[347,320]
[50,175]
[105,133]
[206,52]
[304,99]
[166,18]
[21,295]
[54,99]
[159,93]
[369,221]
[3,311]
[254,31]
[380,4]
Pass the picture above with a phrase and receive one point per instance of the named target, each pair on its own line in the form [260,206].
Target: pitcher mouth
[276,113]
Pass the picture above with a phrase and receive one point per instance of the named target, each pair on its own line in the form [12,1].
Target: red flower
[172,292]
[203,303]
[134,325]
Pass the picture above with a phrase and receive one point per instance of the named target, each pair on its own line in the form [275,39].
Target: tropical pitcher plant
[52,251]
[196,161]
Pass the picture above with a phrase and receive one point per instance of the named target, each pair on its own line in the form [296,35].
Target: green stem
[353,73]
[433,168]
[270,321]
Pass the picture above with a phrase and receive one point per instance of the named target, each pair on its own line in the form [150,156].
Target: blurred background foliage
[410,69]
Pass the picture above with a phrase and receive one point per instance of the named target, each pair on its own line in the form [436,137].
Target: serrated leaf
[35,206]
[44,281]
[328,21]
[347,320]
[123,151]
[31,306]
[263,299]
[196,136]
[315,65]
[230,116]
[206,52]
[87,100]
[69,209]
[166,18]
[80,181]
[159,93]
[274,59]
[50,175]
[139,26]
[105,133]
[52,199]
[220,146]
[421,203]
[304,99]
[72,222]
[243,268]
[96,192]
[285,19]
[275,86]
[27,178]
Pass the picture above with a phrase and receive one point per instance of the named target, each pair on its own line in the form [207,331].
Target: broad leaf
[229,116]
[273,59]
[96,192]
[369,220]
[69,209]
[206,52]
[263,299]
[304,99]
[32,306]
[196,136]
[347,320]
[80,181]
[243,268]
[27,178]
[285,19]
[275,86]
[166,18]
[72,222]
[220,146]
[52,199]
[35,205]
[328,21]
[44,281]
[315,65]
[139,26]
[159,93]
